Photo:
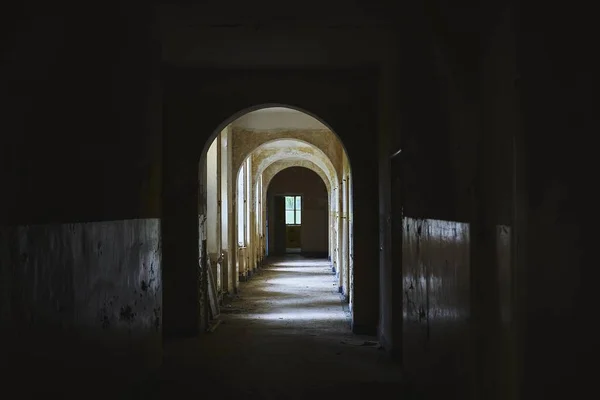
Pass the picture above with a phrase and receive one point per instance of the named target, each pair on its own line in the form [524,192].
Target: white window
[293,210]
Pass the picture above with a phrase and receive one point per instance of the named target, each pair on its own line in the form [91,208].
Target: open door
[279,234]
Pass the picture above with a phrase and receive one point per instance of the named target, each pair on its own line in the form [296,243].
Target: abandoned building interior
[341,199]
[275,181]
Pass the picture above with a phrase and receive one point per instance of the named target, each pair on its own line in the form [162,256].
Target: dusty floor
[287,335]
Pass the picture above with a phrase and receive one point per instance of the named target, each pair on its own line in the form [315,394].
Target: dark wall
[523,86]
[436,282]
[457,169]
[82,285]
[436,129]
[81,113]
[80,174]
[557,156]
[315,210]
[81,143]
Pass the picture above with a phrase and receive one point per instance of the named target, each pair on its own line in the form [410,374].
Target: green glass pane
[289,202]
[298,219]
[298,203]
[289,217]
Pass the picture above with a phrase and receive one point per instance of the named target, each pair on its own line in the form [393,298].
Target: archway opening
[256,212]
[297,214]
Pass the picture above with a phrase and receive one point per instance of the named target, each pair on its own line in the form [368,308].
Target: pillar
[390,241]
[219,228]
[345,232]
[339,237]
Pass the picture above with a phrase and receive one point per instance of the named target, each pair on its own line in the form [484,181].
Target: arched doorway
[192,111]
[236,171]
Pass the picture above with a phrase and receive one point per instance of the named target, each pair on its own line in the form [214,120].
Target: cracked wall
[266,154]
[279,165]
[436,290]
[100,281]
[247,140]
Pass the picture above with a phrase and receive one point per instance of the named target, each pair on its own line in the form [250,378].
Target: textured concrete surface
[436,299]
[278,166]
[287,335]
[285,149]
[96,281]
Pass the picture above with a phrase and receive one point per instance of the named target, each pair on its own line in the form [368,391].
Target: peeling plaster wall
[280,165]
[83,166]
[85,283]
[294,150]
[436,289]
[276,151]
[247,140]
[267,154]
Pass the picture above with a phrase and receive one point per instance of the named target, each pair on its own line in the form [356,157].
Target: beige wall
[246,140]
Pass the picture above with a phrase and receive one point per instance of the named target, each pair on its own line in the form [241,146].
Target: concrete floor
[286,336]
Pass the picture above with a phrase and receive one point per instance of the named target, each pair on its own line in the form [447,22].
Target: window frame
[296,210]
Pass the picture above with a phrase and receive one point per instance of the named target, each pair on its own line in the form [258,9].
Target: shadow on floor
[285,336]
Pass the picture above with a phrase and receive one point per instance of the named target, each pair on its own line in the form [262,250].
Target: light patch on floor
[302,264]
[287,335]
[291,289]
[294,315]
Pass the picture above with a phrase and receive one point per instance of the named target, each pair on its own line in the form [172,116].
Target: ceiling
[286,144]
[277,118]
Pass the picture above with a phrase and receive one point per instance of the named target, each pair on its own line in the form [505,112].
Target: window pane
[289,202]
[298,203]
[298,219]
[289,218]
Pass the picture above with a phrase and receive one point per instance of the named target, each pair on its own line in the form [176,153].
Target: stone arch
[248,140]
[224,98]
[265,155]
[325,138]
[278,166]
[243,110]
